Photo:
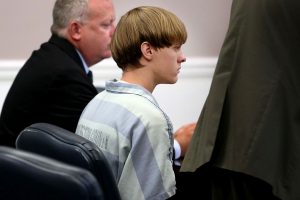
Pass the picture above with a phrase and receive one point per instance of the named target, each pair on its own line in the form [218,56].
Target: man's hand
[183,136]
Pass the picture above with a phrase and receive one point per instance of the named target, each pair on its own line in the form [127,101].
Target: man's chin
[107,55]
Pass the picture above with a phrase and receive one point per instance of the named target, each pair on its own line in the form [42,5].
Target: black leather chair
[63,145]
[25,175]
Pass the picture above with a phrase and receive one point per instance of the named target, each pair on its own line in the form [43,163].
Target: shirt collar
[85,66]
[117,86]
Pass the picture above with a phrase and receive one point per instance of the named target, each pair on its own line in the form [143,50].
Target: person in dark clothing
[54,86]
[246,142]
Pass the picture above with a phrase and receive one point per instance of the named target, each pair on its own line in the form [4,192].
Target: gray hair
[65,11]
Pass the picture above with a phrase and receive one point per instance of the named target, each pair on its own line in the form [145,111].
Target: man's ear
[147,50]
[75,30]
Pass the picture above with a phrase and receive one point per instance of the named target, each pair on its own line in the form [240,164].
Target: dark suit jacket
[250,122]
[51,87]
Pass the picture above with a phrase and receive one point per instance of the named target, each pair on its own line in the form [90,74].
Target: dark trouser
[211,183]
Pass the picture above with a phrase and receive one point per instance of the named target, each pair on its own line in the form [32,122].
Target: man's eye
[177,47]
[106,25]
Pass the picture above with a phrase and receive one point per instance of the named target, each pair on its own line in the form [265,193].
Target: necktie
[90,75]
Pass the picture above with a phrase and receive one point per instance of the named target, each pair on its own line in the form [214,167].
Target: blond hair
[155,25]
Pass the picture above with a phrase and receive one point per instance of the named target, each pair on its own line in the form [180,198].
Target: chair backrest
[63,145]
[25,175]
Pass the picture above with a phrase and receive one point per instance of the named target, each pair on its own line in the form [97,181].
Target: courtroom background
[26,24]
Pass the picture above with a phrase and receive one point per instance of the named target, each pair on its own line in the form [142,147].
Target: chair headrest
[58,143]
[26,175]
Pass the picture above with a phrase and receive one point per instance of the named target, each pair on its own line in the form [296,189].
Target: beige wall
[25,24]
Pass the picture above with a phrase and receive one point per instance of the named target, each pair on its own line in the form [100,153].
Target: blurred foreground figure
[246,143]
